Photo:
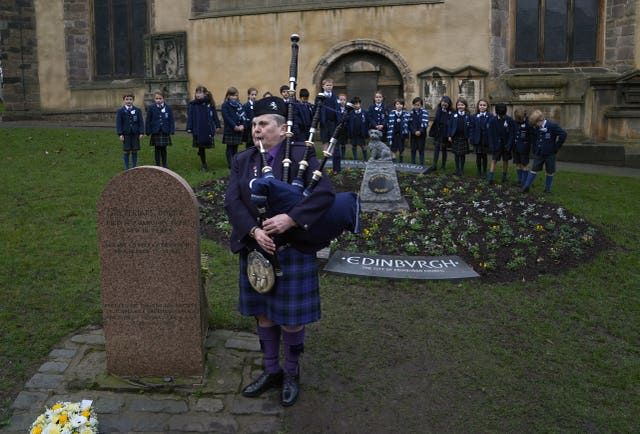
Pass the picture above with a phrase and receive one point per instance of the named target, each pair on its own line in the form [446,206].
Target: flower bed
[503,234]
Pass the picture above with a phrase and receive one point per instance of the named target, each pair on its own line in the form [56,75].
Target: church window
[556,32]
[120,26]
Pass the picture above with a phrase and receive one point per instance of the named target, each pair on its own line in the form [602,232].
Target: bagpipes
[273,196]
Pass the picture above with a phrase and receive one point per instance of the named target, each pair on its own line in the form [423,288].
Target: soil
[503,234]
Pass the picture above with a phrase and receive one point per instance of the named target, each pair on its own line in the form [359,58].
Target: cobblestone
[75,370]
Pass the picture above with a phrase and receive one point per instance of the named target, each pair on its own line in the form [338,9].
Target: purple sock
[293,347]
[270,344]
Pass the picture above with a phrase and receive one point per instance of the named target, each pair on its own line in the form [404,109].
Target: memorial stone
[153,299]
[380,190]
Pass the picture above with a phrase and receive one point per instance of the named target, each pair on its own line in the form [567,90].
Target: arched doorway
[361,67]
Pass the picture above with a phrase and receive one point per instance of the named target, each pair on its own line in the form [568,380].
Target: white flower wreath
[66,418]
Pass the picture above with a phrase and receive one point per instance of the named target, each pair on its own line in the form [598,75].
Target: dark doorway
[362,73]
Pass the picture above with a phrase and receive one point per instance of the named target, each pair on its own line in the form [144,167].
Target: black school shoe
[290,389]
[264,382]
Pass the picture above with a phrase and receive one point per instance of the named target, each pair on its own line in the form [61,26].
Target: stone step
[633,160]
[607,154]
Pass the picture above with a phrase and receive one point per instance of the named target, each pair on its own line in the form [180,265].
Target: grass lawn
[561,353]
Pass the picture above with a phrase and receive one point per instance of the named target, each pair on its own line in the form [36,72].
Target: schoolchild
[341,144]
[418,122]
[202,122]
[357,126]
[284,92]
[522,145]
[234,121]
[160,125]
[328,112]
[547,139]
[302,117]
[439,132]
[459,134]
[378,115]
[480,139]
[252,94]
[130,129]
[398,129]
[503,132]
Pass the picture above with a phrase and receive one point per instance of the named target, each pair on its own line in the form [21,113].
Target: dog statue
[377,149]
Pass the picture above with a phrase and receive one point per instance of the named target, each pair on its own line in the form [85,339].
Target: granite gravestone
[153,300]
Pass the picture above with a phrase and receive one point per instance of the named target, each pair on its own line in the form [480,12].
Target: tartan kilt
[295,297]
[131,142]
[160,139]
[482,147]
[460,145]
[208,145]
[232,138]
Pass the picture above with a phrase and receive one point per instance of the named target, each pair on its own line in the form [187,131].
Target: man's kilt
[294,299]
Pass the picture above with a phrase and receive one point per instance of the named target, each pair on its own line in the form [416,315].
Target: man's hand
[265,241]
[278,224]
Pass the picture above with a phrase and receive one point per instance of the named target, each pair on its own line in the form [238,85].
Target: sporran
[260,272]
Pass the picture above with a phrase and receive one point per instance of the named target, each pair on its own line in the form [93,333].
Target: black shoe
[525,189]
[547,191]
[290,389]
[264,382]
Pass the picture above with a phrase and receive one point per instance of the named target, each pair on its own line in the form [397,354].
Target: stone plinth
[379,190]
[153,300]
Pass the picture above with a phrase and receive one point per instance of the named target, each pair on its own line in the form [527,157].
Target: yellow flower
[86,413]
[58,406]
[36,430]
[63,419]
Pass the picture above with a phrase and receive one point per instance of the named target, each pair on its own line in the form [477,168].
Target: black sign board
[400,267]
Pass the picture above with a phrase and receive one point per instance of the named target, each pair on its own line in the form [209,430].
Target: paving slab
[76,370]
